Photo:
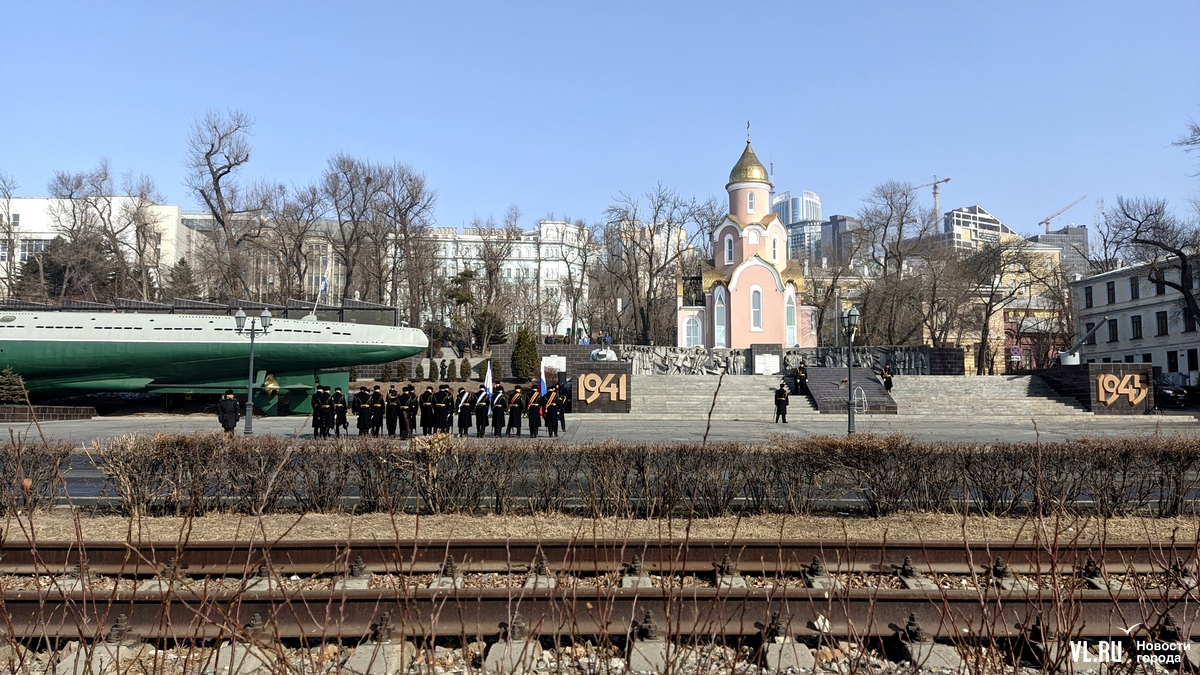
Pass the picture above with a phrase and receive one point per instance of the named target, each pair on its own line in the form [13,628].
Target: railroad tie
[382,654]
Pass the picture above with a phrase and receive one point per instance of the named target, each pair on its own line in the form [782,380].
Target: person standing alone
[227,412]
[781,403]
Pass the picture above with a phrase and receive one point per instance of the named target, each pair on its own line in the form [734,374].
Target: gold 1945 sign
[592,385]
[1112,387]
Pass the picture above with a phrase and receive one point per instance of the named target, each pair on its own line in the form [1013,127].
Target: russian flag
[542,379]
[487,380]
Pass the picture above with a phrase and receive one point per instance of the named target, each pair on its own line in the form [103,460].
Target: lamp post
[252,330]
[849,325]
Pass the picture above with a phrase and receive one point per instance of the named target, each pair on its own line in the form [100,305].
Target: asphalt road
[589,428]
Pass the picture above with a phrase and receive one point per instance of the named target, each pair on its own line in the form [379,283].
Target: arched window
[775,249]
[749,202]
[791,321]
[729,249]
[692,333]
[753,237]
[719,319]
[755,308]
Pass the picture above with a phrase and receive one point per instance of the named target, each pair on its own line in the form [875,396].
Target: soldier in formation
[322,412]
[552,406]
[339,412]
[533,410]
[802,379]
[391,415]
[377,404]
[483,405]
[466,411]
[426,403]
[499,411]
[443,409]
[362,409]
[407,405]
[516,410]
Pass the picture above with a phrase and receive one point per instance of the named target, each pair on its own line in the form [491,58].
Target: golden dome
[748,169]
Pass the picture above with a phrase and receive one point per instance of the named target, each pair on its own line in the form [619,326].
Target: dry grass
[65,525]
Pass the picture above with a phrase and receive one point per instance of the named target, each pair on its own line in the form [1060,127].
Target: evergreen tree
[497,370]
[402,371]
[452,371]
[12,387]
[525,356]
[181,282]
[464,369]
[420,372]
[385,373]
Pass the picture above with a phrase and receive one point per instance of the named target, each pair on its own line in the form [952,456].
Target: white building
[541,262]
[795,209]
[1147,323]
[971,228]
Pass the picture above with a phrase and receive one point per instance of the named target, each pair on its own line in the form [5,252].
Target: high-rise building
[804,240]
[1073,241]
[792,210]
[972,227]
[837,237]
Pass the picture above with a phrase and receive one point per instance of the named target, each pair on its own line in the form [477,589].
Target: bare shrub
[996,477]
[448,475]
[880,470]
[606,467]
[384,471]
[254,479]
[31,473]
[1177,468]
[553,477]
[319,474]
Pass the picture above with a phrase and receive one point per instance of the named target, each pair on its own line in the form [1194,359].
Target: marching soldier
[443,409]
[781,403]
[377,403]
[533,410]
[552,411]
[391,402]
[362,408]
[483,405]
[802,379]
[339,412]
[427,417]
[515,403]
[499,411]
[466,410]
[327,414]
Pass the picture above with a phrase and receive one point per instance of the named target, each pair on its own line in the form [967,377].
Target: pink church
[752,292]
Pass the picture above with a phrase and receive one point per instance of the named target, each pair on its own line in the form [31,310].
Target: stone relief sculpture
[653,360]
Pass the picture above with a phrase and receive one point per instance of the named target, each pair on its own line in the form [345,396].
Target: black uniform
[443,409]
[339,412]
[407,403]
[533,410]
[392,402]
[427,417]
[376,401]
[227,412]
[802,379]
[515,408]
[466,409]
[320,407]
[887,379]
[551,408]
[499,412]
[362,408]
[483,405]
[781,403]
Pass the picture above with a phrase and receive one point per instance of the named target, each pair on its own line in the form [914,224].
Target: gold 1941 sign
[592,385]
[1112,387]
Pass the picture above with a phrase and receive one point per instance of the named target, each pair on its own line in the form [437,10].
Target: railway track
[183,601]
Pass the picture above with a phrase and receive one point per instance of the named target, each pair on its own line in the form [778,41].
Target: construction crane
[936,213]
[1047,219]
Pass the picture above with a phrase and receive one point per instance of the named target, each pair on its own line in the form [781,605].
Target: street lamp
[849,325]
[253,331]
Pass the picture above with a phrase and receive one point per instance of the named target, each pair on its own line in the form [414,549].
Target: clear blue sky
[559,106]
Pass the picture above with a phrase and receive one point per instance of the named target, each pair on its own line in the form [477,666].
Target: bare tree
[1165,243]
[295,215]
[142,229]
[896,229]
[8,231]
[1001,273]
[218,149]
[644,242]
[352,188]
[404,253]
[576,248]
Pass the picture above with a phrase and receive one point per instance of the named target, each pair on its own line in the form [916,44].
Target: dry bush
[319,475]
[31,473]
[606,478]
[384,472]
[449,477]
[996,478]
[253,476]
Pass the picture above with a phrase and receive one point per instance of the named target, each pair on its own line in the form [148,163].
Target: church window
[692,329]
[754,237]
[750,202]
[755,308]
[775,249]
[719,328]
[791,321]
[729,249]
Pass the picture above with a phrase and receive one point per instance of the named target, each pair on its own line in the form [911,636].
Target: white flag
[487,380]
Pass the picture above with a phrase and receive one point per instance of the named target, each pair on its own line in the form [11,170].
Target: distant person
[227,411]
[339,413]
[499,411]
[887,379]
[607,340]
[391,415]
[362,408]
[515,403]
[483,407]
[802,379]
[466,411]
[781,403]
[585,340]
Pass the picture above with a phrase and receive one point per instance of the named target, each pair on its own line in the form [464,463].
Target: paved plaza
[599,427]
